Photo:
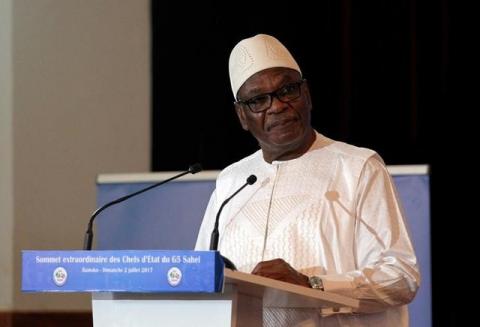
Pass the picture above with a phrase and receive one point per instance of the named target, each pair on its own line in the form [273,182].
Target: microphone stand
[87,243]
[215,234]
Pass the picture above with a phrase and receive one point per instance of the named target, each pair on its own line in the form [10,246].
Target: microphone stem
[214,237]
[87,244]
[215,234]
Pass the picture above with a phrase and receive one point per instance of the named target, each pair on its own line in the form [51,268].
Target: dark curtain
[375,70]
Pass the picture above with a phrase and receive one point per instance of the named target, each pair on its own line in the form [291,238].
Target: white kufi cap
[255,54]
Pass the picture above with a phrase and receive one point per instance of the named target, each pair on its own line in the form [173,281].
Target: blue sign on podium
[173,271]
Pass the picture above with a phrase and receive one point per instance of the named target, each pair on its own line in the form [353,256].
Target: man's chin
[286,140]
[284,135]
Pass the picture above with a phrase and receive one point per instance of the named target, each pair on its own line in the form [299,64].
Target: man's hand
[280,270]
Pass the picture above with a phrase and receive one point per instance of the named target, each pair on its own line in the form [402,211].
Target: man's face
[283,128]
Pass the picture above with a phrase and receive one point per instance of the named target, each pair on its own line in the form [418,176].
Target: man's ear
[241,116]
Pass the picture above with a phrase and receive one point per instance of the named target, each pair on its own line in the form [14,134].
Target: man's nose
[277,106]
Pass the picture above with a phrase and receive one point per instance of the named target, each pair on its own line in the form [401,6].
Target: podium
[161,288]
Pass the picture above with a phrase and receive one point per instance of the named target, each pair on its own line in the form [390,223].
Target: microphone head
[251,179]
[195,168]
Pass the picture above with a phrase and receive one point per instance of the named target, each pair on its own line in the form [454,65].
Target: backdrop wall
[74,101]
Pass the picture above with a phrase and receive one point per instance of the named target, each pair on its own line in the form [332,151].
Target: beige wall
[6,157]
[81,83]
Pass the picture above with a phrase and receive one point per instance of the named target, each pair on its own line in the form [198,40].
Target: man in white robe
[322,213]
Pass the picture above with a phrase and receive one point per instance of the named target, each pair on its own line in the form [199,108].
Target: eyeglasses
[264,101]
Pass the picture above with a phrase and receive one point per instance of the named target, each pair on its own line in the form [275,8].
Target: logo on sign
[60,276]
[174,276]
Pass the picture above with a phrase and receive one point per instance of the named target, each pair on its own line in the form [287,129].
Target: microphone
[87,243]
[215,235]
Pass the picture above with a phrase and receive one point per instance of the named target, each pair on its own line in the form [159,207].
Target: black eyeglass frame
[272,94]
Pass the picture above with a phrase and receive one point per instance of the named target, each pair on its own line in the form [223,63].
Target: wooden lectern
[240,304]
